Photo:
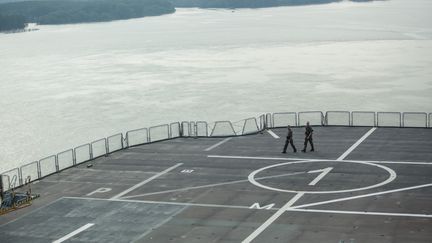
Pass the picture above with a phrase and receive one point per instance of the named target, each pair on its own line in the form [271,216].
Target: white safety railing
[103,147]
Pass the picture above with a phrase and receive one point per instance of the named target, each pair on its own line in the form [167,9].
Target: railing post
[56,163]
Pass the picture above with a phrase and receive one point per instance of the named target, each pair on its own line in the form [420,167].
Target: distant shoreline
[15,15]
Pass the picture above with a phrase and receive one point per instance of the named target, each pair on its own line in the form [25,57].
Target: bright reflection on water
[64,86]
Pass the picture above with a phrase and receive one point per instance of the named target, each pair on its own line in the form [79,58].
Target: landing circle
[392,176]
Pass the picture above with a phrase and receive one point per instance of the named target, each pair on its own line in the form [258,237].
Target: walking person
[289,140]
[308,138]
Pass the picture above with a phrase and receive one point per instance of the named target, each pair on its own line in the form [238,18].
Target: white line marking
[362,196]
[211,185]
[344,155]
[73,233]
[248,207]
[324,172]
[146,181]
[162,202]
[278,158]
[218,144]
[269,221]
[361,213]
[257,158]
[251,177]
[273,134]
[401,162]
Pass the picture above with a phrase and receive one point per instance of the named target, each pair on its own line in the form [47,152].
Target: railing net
[338,118]
[48,166]
[30,170]
[363,118]
[414,119]
[98,148]
[389,119]
[315,118]
[159,133]
[65,159]
[284,119]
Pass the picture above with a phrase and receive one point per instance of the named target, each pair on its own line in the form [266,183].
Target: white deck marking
[324,172]
[273,134]
[163,202]
[401,162]
[309,159]
[146,181]
[269,221]
[251,177]
[73,233]
[361,213]
[211,185]
[249,207]
[257,158]
[344,155]
[362,196]
[218,144]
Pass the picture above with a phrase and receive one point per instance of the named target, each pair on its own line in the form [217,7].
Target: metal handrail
[310,112]
[108,139]
[262,122]
[165,126]
[363,112]
[221,122]
[285,113]
[66,151]
[326,122]
[95,142]
[389,113]
[423,114]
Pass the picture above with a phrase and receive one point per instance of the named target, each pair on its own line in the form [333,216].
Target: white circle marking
[392,176]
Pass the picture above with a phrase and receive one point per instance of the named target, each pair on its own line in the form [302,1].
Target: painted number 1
[322,172]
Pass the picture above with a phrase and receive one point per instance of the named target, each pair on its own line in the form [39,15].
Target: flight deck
[361,184]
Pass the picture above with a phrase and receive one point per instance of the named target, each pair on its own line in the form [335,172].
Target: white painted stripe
[257,158]
[73,233]
[162,202]
[248,207]
[361,213]
[275,216]
[218,144]
[354,146]
[401,162]
[362,196]
[212,185]
[146,181]
[323,173]
[273,134]
[278,158]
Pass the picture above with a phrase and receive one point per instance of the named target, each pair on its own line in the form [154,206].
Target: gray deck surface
[382,192]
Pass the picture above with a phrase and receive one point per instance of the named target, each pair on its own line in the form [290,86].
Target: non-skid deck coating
[182,191]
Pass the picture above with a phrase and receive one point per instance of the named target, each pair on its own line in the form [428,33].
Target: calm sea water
[63,86]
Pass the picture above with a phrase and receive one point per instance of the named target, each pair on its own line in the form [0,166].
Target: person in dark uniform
[308,138]
[289,140]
